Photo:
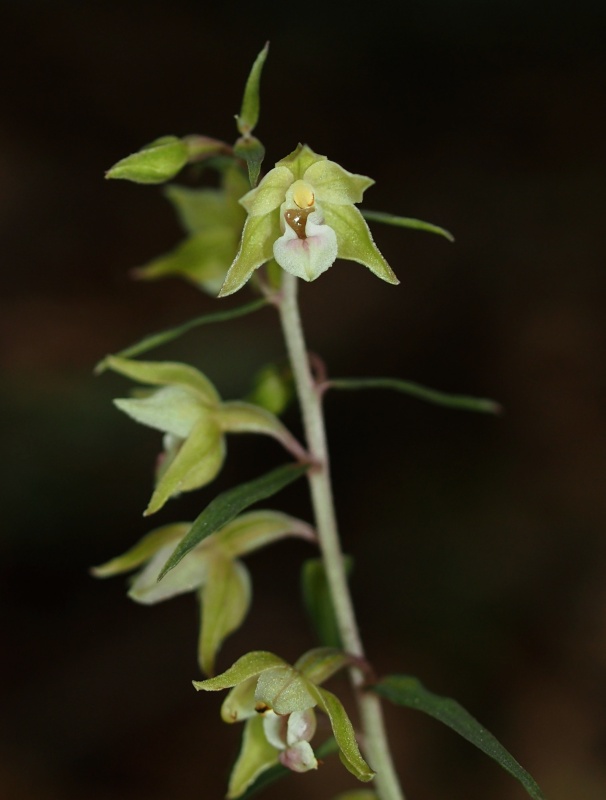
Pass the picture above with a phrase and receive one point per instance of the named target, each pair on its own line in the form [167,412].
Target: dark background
[479,543]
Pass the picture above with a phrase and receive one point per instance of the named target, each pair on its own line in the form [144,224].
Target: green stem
[375,746]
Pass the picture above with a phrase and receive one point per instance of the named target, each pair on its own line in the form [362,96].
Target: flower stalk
[375,744]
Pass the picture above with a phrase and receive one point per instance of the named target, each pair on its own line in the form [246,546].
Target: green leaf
[406,222]
[163,337]
[249,113]
[229,504]
[459,401]
[316,598]
[157,162]
[252,151]
[273,774]
[405,690]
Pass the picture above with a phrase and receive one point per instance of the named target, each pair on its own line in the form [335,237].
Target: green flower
[213,570]
[302,214]
[213,220]
[277,701]
[189,411]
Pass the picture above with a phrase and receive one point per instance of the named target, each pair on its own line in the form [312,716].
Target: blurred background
[479,543]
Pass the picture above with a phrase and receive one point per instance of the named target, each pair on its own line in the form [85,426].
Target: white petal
[310,257]
[299,758]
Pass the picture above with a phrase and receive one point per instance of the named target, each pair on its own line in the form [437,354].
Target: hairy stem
[375,743]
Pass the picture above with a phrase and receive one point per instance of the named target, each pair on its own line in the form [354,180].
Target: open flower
[213,570]
[277,701]
[189,411]
[302,214]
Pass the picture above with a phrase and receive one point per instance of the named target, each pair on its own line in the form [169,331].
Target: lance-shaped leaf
[462,402]
[405,690]
[157,162]
[229,504]
[163,337]
[406,222]
[249,113]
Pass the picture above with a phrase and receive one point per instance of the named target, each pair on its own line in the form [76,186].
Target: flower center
[303,198]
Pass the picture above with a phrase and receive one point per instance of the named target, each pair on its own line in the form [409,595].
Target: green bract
[213,569]
[188,410]
[303,215]
[277,702]
[157,162]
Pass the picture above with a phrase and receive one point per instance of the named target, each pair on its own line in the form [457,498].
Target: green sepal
[406,222]
[239,417]
[256,529]
[164,373]
[285,690]
[343,731]
[203,259]
[225,599]
[191,574]
[357,794]
[322,663]
[405,690]
[157,162]
[251,150]
[318,603]
[256,755]
[170,409]
[203,209]
[249,113]
[256,247]
[196,463]
[246,667]
[333,184]
[145,548]
[458,401]
[168,335]
[300,160]
[240,702]
[228,505]
[355,241]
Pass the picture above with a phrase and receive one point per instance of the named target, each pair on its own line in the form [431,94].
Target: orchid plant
[265,233]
